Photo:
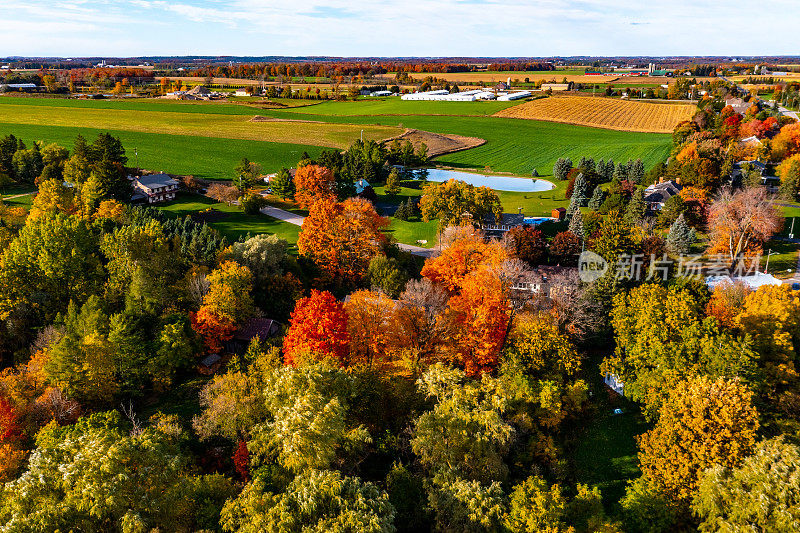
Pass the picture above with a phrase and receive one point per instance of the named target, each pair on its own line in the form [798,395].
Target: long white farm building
[466,96]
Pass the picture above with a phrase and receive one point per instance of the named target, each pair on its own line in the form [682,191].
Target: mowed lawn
[197,124]
[235,223]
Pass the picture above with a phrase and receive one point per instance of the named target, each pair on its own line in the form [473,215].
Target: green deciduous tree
[465,433]
[53,260]
[663,336]
[764,491]
[314,501]
[97,476]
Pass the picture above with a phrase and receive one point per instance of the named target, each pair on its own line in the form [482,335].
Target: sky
[465,28]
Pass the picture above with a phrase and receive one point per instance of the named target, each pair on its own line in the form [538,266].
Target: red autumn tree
[463,256]
[528,244]
[9,428]
[342,237]
[318,329]
[565,247]
[214,330]
[481,315]
[313,183]
[241,461]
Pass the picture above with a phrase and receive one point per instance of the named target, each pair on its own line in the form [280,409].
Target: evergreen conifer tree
[680,236]
[598,196]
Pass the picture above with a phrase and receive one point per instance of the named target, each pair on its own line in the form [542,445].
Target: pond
[499,183]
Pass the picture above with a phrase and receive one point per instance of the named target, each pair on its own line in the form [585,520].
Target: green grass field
[205,157]
[236,223]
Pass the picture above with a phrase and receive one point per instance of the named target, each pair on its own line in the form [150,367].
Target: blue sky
[397,28]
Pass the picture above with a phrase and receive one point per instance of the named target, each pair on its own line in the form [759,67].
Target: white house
[241,92]
[155,188]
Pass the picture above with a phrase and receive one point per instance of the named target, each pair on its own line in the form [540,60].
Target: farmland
[204,157]
[602,112]
[177,137]
[200,124]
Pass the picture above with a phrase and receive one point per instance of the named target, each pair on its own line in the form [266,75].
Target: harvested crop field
[609,113]
[439,143]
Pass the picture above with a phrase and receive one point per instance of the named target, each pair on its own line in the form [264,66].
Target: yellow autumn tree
[771,315]
[703,423]
[545,363]
[53,197]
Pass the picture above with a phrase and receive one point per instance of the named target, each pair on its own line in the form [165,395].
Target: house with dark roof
[263,328]
[656,195]
[154,188]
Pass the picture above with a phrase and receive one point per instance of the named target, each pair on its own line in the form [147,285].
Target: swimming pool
[500,183]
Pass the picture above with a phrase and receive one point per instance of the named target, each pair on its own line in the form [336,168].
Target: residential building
[263,328]
[656,195]
[154,188]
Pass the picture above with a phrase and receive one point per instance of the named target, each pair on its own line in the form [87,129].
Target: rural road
[297,220]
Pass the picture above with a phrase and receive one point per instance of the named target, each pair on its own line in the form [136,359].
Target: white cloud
[392,27]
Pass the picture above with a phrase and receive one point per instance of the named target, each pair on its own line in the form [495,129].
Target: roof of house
[661,192]
[264,328]
[154,181]
[754,164]
[752,140]
[199,90]
[210,360]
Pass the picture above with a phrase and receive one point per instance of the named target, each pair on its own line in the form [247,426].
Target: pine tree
[636,173]
[636,208]
[581,190]
[587,165]
[598,196]
[561,168]
[621,172]
[282,184]
[680,236]
[576,222]
[608,172]
[393,183]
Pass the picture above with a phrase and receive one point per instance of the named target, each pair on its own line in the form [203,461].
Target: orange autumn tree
[226,305]
[481,316]
[465,254]
[726,302]
[740,222]
[787,142]
[317,330]
[313,183]
[342,237]
[369,320]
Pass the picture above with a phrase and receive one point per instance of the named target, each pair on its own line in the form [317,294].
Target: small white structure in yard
[241,92]
[613,382]
[381,93]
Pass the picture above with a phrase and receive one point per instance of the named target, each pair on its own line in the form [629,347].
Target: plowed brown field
[600,112]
